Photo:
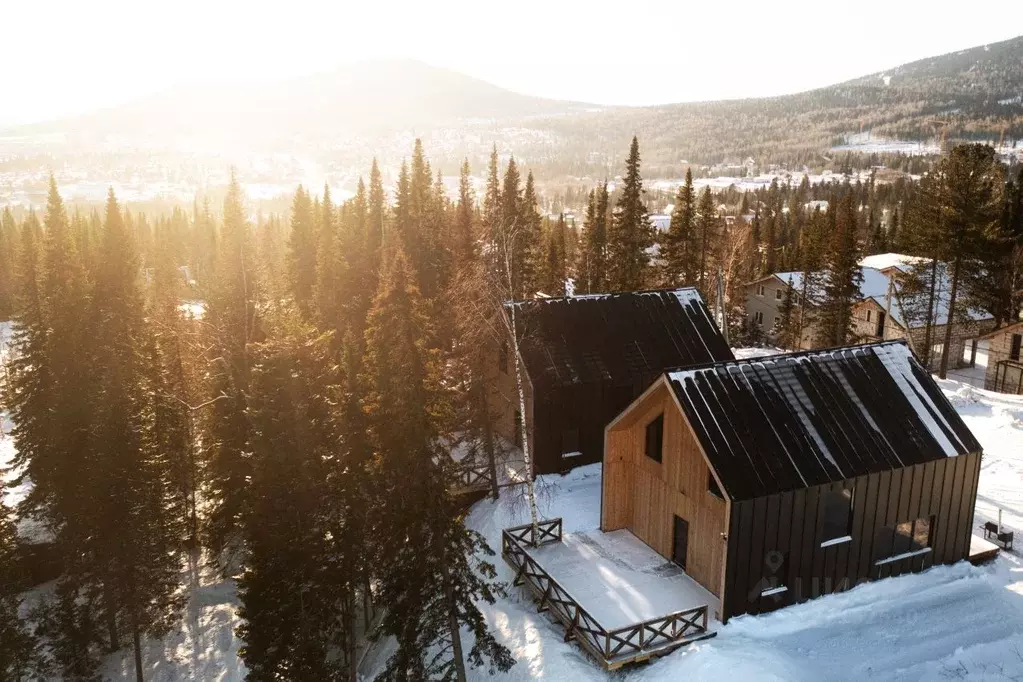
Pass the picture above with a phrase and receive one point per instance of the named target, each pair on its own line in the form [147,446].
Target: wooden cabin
[781,479]
[585,358]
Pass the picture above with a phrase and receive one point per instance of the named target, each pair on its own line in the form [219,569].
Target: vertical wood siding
[644,496]
[791,523]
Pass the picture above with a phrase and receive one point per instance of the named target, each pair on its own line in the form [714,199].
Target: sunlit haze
[67,57]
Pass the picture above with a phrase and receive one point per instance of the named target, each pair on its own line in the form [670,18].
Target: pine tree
[630,235]
[302,251]
[374,238]
[552,281]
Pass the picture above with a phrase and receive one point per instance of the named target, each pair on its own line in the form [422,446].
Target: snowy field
[959,622]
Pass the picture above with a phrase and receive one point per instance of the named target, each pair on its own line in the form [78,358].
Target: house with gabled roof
[883,311]
[780,479]
[584,358]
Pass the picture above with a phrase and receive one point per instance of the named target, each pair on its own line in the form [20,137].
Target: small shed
[780,479]
[587,357]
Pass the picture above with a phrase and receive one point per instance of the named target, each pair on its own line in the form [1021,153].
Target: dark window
[837,514]
[655,438]
[712,486]
[502,358]
[777,294]
[903,538]
[1017,341]
[518,429]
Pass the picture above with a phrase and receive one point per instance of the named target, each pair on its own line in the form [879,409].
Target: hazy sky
[63,57]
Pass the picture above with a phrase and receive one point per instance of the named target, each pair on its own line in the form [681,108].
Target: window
[712,486]
[502,358]
[758,317]
[1017,341]
[904,540]
[655,438]
[760,290]
[869,314]
[837,508]
[518,429]
[777,294]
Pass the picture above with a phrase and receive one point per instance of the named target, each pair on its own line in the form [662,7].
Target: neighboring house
[1005,359]
[881,314]
[780,479]
[587,357]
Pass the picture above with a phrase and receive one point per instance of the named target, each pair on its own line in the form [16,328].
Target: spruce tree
[136,540]
[843,276]
[706,223]
[232,319]
[465,237]
[302,251]
[680,245]
[20,652]
[289,613]
[630,235]
[433,568]
[8,248]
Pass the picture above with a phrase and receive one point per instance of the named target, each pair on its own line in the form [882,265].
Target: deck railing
[612,648]
[472,476]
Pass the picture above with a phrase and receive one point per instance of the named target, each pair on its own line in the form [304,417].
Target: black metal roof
[617,339]
[792,421]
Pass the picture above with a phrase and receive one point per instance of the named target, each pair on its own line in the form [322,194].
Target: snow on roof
[883,261]
[788,421]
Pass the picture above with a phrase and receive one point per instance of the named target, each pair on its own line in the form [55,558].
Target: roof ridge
[608,294]
[785,356]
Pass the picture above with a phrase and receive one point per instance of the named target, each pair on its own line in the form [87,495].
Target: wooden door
[681,545]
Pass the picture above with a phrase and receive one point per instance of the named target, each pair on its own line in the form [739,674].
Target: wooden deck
[981,550]
[612,648]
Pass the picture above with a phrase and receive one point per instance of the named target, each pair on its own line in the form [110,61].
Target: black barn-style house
[800,474]
[587,357]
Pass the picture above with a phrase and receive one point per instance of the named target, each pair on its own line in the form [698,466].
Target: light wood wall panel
[644,496]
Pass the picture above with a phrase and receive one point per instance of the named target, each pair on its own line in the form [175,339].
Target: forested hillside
[371,109]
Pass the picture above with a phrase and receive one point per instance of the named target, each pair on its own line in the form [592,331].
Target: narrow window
[869,314]
[837,509]
[502,358]
[758,317]
[777,294]
[518,429]
[760,290]
[712,486]
[655,438]
[1017,341]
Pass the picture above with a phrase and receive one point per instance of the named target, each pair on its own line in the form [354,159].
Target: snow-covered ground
[958,622]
